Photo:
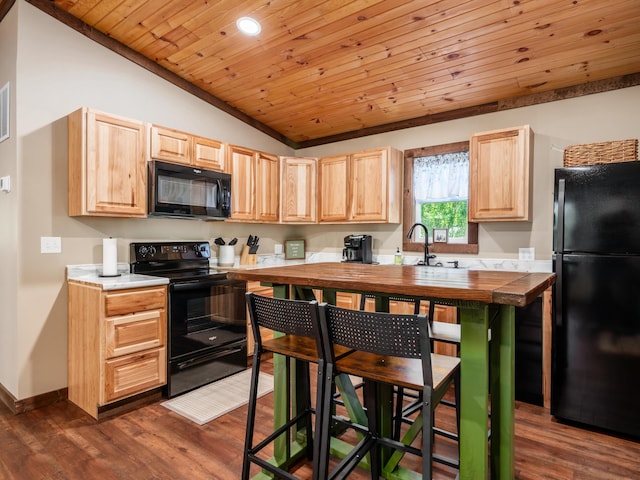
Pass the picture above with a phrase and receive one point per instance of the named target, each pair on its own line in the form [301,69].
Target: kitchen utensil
[233,241]
[250,240]
[219,241]
[254,248]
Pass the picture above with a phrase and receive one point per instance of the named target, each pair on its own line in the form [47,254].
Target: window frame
[408,213]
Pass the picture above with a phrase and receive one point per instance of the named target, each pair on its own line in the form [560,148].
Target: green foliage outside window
[449,215]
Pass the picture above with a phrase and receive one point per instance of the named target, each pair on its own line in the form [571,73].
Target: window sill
[456,248]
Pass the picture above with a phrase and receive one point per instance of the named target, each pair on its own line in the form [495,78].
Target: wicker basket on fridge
[601,152]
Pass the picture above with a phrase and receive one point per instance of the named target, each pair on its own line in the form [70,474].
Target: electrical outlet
[527,254]
[50,245]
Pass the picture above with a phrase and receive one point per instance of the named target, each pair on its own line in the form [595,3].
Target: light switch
[50,245]
[5,184]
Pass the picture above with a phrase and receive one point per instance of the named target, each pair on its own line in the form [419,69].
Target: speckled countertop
[471,263]
[91,274]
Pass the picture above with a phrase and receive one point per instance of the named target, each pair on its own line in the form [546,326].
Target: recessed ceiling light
[248,26]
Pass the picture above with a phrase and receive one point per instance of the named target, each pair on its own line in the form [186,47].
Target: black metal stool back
[299,322]
[391,349]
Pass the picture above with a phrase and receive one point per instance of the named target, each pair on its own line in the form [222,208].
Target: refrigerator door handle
[560,225]
[558,287]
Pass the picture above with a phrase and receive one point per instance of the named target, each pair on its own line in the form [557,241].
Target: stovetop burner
[177,261]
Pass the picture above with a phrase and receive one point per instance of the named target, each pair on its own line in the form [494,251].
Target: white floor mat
[216,399]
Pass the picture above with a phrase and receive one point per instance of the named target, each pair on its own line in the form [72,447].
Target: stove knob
[152,251]
[142,251]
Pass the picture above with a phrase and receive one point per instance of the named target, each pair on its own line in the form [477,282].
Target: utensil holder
[226,256]
[247,258]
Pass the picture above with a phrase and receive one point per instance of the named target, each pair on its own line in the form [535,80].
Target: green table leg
[280,393]
[503,394]
[474,392]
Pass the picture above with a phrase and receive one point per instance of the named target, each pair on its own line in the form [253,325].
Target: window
[436,194]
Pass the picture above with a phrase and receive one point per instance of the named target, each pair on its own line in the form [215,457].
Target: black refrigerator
[596,326]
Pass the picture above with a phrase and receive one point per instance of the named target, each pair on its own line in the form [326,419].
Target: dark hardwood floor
[62,442]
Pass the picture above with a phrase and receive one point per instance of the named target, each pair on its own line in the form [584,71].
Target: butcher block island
[485,299]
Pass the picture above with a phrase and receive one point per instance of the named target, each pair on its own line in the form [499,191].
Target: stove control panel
[163,251]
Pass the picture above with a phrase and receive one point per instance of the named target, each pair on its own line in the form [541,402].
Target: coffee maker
[357,248]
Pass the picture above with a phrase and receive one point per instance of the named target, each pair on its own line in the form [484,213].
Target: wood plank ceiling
[326,70]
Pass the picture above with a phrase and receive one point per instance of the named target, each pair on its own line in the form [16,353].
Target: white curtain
[441,178]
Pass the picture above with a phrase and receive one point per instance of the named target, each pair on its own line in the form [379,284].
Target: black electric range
[206,319]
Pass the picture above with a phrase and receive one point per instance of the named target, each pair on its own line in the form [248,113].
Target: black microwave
[187,192]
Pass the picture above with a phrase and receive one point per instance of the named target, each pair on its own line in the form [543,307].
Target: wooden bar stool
[298,321]
[388,350]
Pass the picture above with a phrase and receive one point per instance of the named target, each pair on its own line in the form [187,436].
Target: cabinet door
[170,145]
[135,373]
[500,175]
[333,177]
[267,189]
[208,154]
[299,180]
[242,169]
[348,300]
[258,289]
[107,165]
[369,182]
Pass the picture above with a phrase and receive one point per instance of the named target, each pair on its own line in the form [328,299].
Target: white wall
[593,118]
[57,70]
[8,212]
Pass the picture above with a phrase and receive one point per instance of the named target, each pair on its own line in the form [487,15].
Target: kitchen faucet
[427,257]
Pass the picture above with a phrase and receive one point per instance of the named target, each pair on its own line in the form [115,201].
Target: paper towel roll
[109,257]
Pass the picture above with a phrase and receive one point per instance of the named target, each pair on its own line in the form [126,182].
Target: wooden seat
[391,350]
[298,321]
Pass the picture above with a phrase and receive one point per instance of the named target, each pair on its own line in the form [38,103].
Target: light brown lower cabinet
[117,343]
[258,289]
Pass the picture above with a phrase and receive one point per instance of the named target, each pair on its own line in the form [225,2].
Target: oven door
[207,332]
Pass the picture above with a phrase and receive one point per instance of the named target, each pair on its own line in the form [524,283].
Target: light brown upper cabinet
[500,164]
[361,187]
[255,184]
[178,147]
[170,145]
[299,185]
[333,186]
[107,165]
[208,153]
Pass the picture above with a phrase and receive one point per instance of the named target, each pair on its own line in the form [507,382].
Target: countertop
[468,263]
[486,286]
[90,274]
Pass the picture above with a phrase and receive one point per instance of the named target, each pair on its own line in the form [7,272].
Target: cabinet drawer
[131,301]
[133,374]
[134,333]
